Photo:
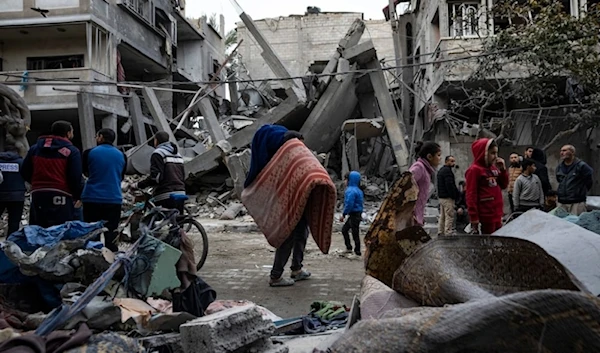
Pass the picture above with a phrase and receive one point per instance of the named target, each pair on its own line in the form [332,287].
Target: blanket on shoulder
[292,184]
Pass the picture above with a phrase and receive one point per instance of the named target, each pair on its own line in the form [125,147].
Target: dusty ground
[238,267]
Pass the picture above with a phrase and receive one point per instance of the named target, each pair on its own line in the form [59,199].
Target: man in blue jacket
[53,168]
[102,198]
[12,189]
[353,207]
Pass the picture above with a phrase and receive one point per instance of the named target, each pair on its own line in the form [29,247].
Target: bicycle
[156,218]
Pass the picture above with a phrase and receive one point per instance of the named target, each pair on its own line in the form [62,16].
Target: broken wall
[303,40]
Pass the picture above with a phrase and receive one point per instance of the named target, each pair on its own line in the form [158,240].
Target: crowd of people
[67,185]
[478,200]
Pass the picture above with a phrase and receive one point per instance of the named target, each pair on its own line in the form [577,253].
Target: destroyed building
[91,42]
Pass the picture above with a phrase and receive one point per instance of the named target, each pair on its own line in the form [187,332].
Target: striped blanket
[292,184]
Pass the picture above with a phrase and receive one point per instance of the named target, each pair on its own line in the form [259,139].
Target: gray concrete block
[264,345]
[431,219]
[431,211]
[225,331]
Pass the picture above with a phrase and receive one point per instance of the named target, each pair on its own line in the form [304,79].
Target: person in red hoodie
[486,178]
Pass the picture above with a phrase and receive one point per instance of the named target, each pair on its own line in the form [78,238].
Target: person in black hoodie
[539,156]
[12,189]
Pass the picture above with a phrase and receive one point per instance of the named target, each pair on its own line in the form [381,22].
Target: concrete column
[87,123]
[137,119]
[110,122]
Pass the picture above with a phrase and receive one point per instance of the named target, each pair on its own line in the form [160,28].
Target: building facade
[56,44]
[435,32]
[305,43]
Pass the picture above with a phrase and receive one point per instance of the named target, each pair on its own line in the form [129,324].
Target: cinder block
[225,331]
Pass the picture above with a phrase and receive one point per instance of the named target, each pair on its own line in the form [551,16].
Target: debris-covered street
[239,264]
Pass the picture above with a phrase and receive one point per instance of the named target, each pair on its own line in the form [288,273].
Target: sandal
[300,275]
[281,282]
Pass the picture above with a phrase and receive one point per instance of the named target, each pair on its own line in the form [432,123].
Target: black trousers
[512,203]
[110,214]
[15,212]
[296,242]
[49,208]
[353,223]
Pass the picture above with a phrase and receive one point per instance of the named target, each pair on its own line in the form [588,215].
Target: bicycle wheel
[198,236]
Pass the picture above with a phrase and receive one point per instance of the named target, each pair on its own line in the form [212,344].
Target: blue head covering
[267,140]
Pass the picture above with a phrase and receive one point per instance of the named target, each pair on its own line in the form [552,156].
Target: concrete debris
[237,329]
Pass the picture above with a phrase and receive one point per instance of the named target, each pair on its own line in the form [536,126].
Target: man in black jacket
[575,179]
[447,194]
[166,174]
[12,189]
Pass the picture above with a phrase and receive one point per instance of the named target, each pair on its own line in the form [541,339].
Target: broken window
[55,62]
[144,8]
[464,19]
[101,50]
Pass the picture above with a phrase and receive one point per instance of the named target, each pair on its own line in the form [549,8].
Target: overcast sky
[259,9]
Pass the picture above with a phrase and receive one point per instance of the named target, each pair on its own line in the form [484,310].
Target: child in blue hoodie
[353,207]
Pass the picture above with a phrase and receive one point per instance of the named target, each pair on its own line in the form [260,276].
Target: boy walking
[353,207]
[528,192]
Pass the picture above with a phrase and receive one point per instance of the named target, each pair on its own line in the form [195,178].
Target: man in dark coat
[447,194]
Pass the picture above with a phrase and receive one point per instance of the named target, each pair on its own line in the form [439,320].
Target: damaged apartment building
[66,50]
[305,45]
[433,37]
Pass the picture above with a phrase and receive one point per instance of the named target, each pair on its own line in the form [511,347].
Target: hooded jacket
[539,156]
[12,189]
[423,172]
[54,164]
[484,185]
[354,197]
[166,172]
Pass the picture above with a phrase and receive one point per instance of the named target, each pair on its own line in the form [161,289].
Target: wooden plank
[161,121]
[87,122]
[395,129]
[137,119]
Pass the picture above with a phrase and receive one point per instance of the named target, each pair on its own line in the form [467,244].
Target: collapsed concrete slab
[226,331]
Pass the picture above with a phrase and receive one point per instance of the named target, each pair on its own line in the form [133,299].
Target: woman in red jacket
[486,178]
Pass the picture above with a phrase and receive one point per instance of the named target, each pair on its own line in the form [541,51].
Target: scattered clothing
[528,193]
[353,207]
[324,316]
[422,172]
[539,156]
[55,342]
[484,189]
[575,181]
[15,214]
[167,174]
